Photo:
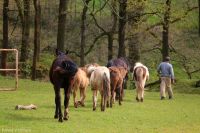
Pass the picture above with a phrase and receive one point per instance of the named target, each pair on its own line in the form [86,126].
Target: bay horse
[81,83]
[120,62]
[100,81]
[140,74]
[61,75]
[117,75]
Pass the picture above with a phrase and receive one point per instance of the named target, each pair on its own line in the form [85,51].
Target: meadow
[180,115]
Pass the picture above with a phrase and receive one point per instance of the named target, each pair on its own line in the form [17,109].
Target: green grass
[180,115]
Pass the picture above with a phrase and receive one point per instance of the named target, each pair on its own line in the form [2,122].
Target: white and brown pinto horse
[81,82]
[140,74]
[100,81]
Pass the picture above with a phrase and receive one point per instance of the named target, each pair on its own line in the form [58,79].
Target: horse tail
[135,75]
[106,86]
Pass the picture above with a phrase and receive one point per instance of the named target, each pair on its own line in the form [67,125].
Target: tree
[110,30]
[25,31]
[36,36]
[61,24]
[135,11]
[165,33]
[199,15]
[121,28]
[83,28]
[5,34]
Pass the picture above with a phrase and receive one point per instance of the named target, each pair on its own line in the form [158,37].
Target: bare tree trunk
[165,37]
[61,24]
[134,49]
[83,27]
[25,31]
[5,34]
[111,33]
[121,30]
[199,16]
[36,37]
[110,46]
[20,10]
[134,17]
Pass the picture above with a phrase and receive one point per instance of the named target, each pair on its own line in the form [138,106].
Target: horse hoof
[102,110]
[94,109]
[75,105]
[60,120]
[142,100]
[66,118]
[137,99]
[55,116]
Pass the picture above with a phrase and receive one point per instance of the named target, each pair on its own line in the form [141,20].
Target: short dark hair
[167,58]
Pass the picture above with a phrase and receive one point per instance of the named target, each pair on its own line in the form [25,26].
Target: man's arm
[172,73]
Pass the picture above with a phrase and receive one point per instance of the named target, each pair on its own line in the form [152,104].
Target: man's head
[167,59]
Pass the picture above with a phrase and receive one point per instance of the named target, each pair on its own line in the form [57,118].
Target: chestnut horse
[100,81]
[120,62]
[81,82]
[61,75]
[117,75]
[140,74]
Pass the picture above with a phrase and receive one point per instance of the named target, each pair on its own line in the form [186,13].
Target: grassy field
[180,115]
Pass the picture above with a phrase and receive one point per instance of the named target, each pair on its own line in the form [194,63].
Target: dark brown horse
[61,75]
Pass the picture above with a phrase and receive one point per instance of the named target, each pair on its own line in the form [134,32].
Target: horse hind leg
[103,101]
[58,112]
[83,96]
[66,103]
[94,99]
[74,96]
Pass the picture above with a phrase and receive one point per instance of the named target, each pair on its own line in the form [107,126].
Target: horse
[120,62]
[140,74]
[117,74]
[61,75]
[100,81]
[81,82]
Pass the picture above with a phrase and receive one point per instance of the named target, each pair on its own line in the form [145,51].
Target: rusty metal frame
[16,70]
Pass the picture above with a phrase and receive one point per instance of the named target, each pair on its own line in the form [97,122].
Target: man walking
[165,69]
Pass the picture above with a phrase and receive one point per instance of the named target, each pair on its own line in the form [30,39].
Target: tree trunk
[121,30]
[25,32]
[199,16]
[111,33]
[134,49]
[110,46]
[20,11]
[134,17]
[5,34]
[165,36]
[83,27]
[61,24]
[36,37]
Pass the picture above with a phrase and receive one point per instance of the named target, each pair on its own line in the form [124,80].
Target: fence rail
[16,70]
